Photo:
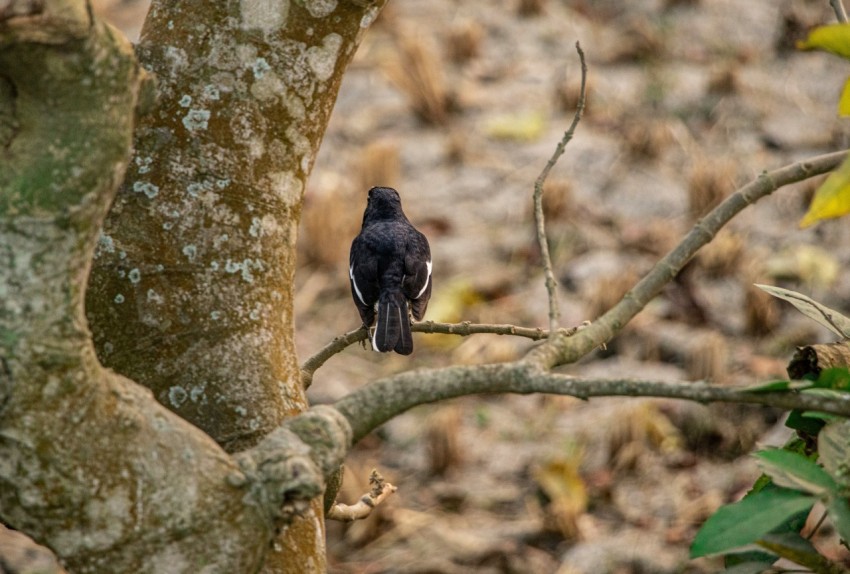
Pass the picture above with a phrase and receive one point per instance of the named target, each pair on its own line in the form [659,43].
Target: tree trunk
[192,288]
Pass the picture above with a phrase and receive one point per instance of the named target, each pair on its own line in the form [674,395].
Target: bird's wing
[363,273]
[417,269]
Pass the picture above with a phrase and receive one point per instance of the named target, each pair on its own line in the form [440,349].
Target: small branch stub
[367,503]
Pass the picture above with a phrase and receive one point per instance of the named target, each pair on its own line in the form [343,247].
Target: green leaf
[777,386]
[803,424]
[744,522]
[837,378]
[834,39]
[793,470]
[834,451]
[832,198]
[749,562]
[792,546]
[822,416]
[829,318]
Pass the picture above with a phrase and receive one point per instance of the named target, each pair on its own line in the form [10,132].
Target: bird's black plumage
[390,272]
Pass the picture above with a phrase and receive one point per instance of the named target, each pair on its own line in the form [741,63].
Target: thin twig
[817,526]
[465,329]
[551,282]
[838,8]
[367,503]
[562,350]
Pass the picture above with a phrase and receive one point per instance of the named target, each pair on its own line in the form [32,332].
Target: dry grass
[641,40]
[723,256]
[761,311]
[724,80]
[709,357]
[456,148]
[708,184]
[528,8]
[646,138]
[442,431]
[379,165]
[607,292]
[675,3]
[418,73]
[329,213]
[636,428]
[655,236]
[464,42]
[558,203]
[568,91]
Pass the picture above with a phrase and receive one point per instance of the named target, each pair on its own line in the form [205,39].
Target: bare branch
[562,350]
[363,508]
[372,405]
[838,7]
[551,282]
[338,345]
[465,329]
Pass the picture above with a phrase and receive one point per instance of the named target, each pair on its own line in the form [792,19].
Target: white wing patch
[357,289]
[425,286]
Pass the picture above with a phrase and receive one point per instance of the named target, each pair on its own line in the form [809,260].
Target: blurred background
[459,105]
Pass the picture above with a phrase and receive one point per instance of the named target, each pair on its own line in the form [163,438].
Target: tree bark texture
[192,283]
[89,464]
[191,287]
[191,293]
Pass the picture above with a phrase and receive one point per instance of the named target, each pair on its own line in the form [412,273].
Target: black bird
[390,271]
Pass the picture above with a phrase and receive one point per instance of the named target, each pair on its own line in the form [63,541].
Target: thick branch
[551,282]
[562,350]
[369,407]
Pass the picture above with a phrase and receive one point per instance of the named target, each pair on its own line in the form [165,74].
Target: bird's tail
[392,331]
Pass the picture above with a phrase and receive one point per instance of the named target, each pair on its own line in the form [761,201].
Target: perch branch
[838,8]
[465,329]
[372,405]
[363,508]
[551,282]
[562,350]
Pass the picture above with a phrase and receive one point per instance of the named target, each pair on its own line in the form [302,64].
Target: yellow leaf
[815,267]
[844,102]
[832,199]
[562,483]
[834,39]
[450,304]
[522,127]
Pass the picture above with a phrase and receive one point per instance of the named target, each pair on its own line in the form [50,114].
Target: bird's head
[383,203]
